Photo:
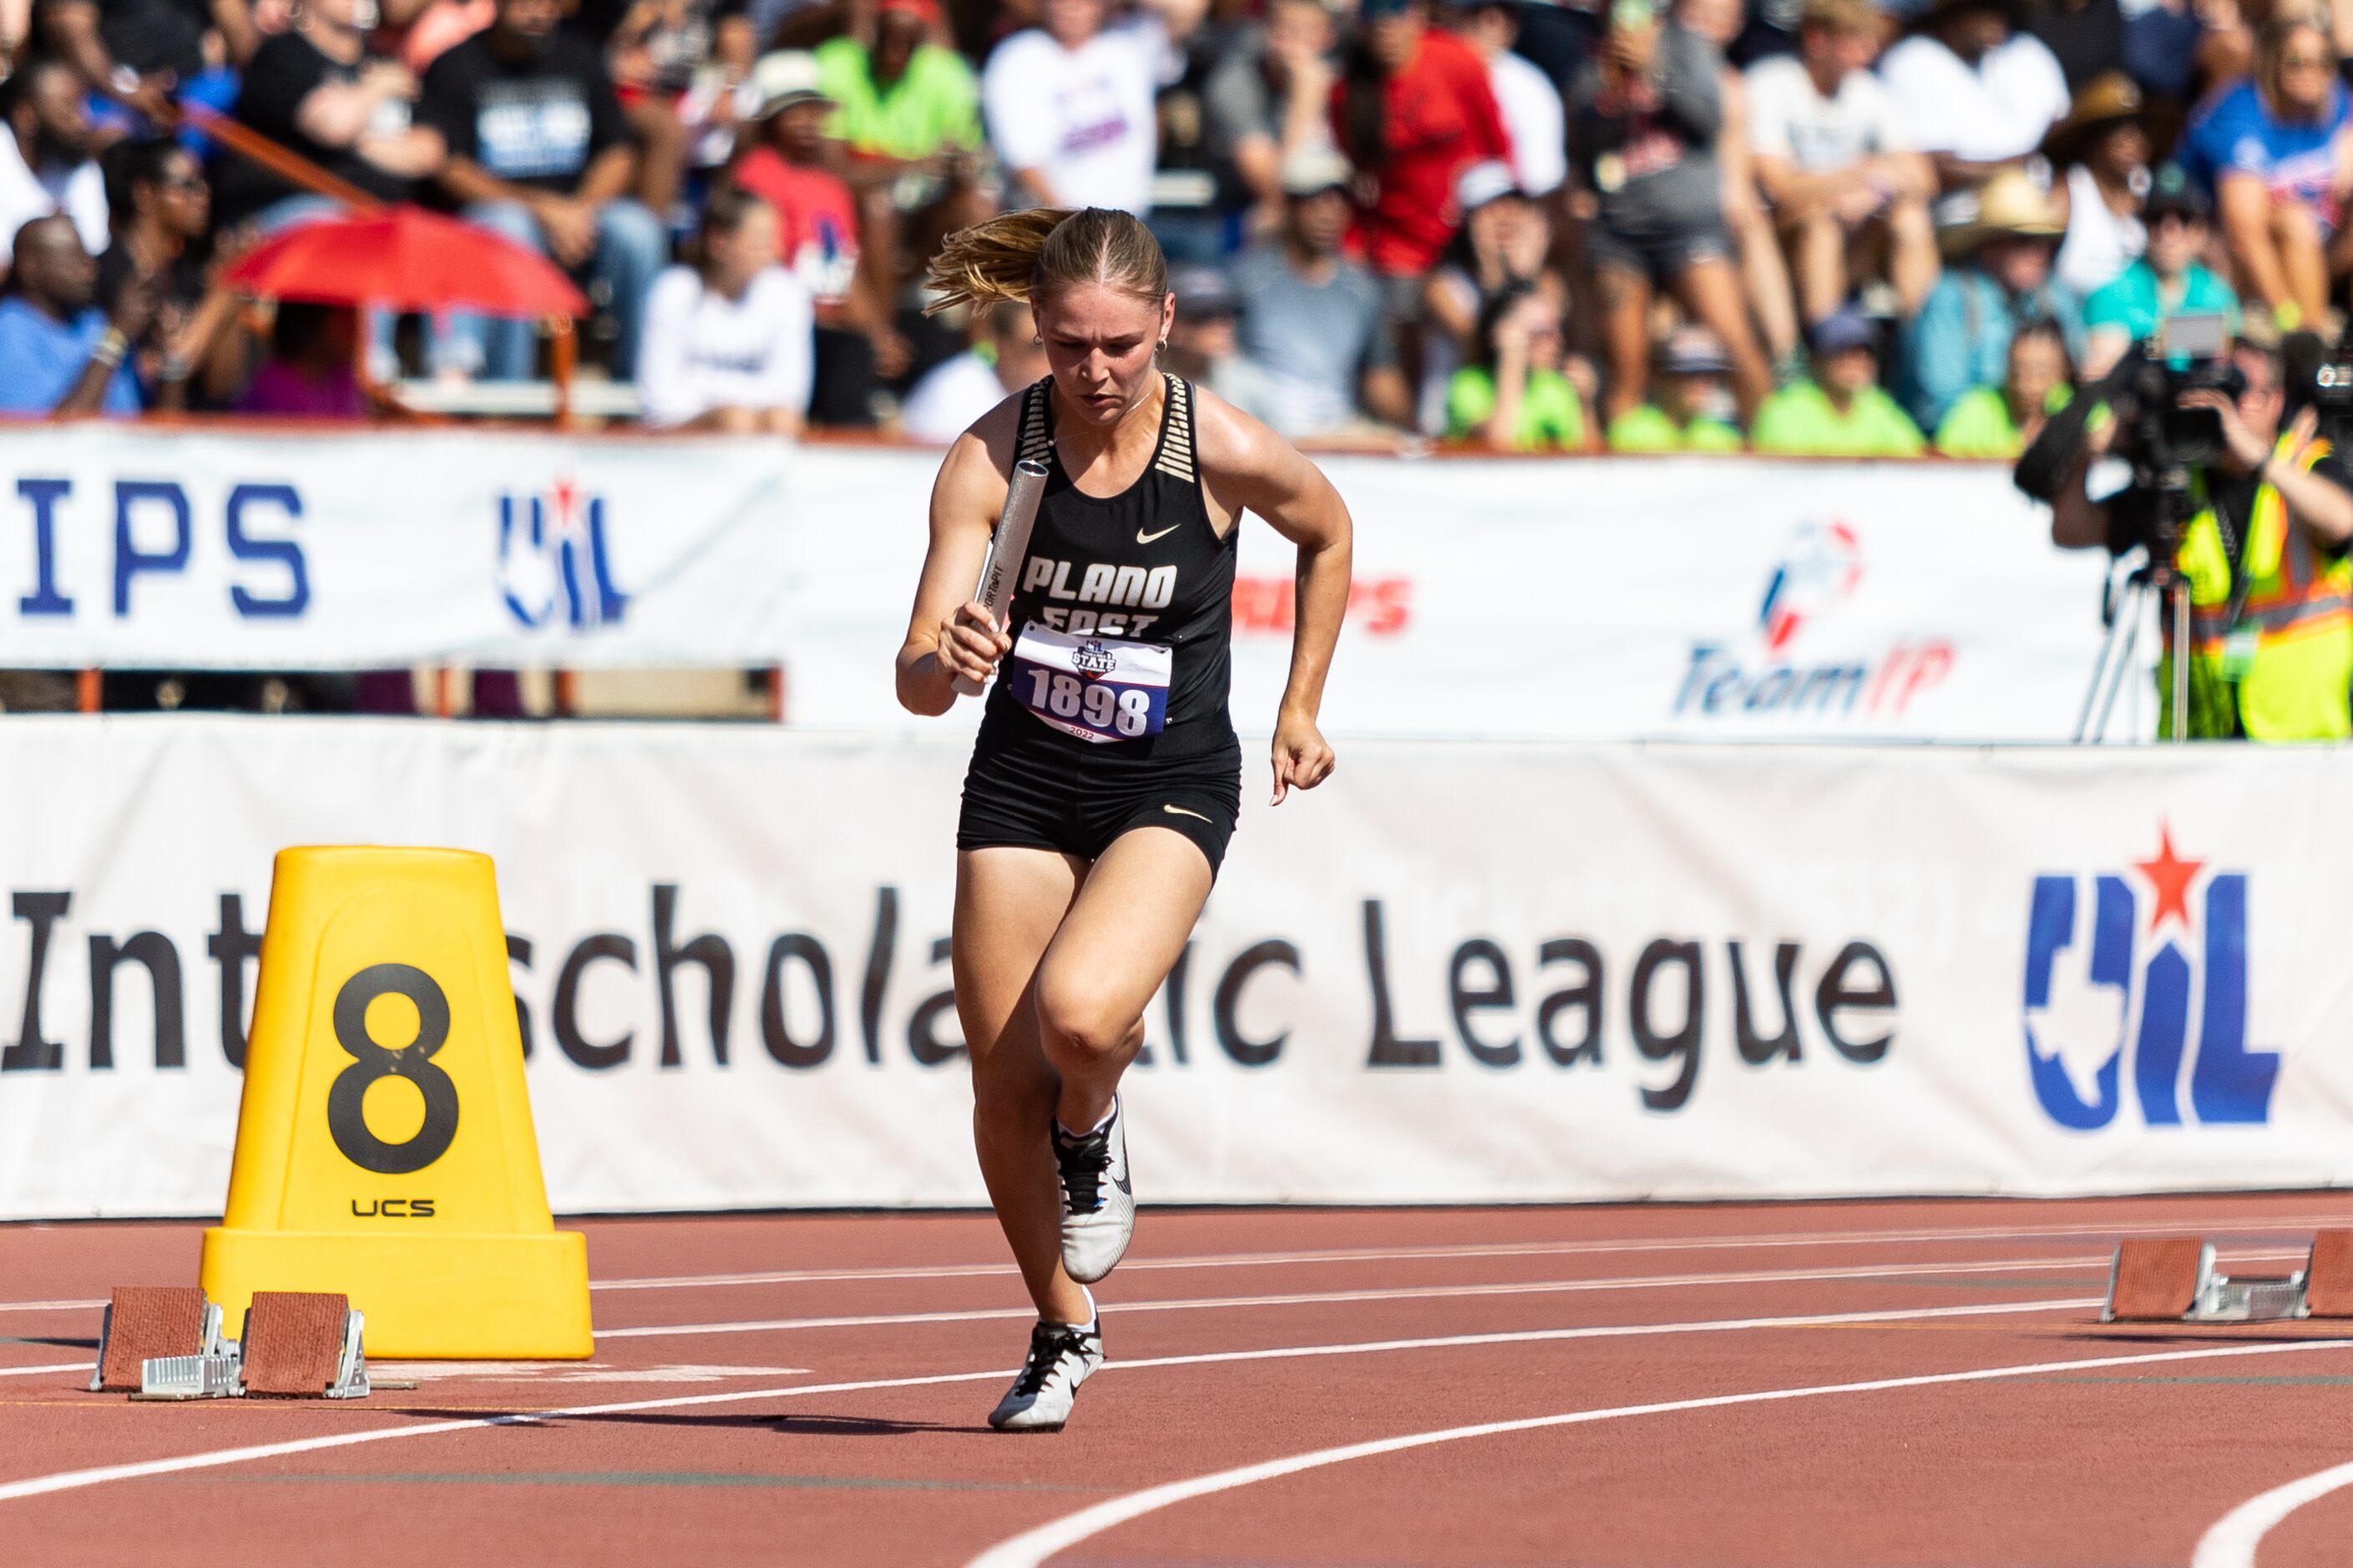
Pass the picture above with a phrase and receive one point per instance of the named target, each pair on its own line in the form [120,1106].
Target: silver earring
[1164,345]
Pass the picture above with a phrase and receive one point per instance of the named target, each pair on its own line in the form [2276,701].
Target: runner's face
[1100,342]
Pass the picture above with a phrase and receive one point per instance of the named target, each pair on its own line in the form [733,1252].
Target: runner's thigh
[1133,914]
[1008,902]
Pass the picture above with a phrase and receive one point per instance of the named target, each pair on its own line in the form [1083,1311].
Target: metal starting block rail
[2173,1279]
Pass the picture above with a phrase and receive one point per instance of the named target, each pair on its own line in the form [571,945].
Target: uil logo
[552,559]
[2150,969]
[1094,659]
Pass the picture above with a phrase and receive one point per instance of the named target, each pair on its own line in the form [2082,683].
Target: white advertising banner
[284,550]
[1703,599]
[1469,973]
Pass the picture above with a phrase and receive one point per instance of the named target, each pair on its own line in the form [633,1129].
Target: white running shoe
[1062,1355]
[1098,1206]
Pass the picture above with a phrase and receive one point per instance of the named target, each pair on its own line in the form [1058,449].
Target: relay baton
[1007,548]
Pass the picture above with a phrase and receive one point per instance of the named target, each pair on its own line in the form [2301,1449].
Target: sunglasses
[2304,62]
[183,185]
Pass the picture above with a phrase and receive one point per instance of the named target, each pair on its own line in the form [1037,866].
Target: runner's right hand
[971,642]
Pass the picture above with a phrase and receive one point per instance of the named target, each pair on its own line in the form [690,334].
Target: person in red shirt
[817,230]
[1414,108]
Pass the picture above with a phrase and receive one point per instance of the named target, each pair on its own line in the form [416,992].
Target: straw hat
[2108,99]
[2008,204]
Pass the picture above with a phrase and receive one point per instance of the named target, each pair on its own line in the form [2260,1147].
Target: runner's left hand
[1302,759]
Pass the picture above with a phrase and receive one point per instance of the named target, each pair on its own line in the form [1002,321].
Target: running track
[1864,1386]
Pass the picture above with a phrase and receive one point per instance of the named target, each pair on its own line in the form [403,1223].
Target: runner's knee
[1073,1022]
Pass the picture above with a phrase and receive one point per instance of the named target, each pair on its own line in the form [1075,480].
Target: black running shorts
[1032,787]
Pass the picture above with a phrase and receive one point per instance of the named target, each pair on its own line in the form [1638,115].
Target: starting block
[2173,1280]
[150,1323]
[303,1345]
[2328,1276]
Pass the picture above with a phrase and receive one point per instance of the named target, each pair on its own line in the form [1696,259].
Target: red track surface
[753,1399]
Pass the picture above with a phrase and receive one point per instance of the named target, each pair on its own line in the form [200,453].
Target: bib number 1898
[1128,710]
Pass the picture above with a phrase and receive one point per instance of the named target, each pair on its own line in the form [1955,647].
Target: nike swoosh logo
[1120,1183]
[1143,538]
[1180,811]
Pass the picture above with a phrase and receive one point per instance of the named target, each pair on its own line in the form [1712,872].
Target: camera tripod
[2156,578]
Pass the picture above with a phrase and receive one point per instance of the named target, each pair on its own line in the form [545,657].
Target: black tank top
[1122,611]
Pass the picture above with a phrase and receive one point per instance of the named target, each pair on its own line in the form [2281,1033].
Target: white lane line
[1033,1547]
[2232,1542]
[69,1480]
[49,1306]
[1397,1293]
[1513,1249]
[52,1367]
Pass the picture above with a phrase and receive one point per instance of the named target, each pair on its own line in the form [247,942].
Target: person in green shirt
[2168,280]
[1517,399]
[1841,412]
[905,101]
[1694,407]
[1998,421]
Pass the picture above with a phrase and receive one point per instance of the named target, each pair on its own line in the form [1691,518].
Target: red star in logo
[2170,876]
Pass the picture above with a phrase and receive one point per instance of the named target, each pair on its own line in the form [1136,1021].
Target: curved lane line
[1033,1547]
[69,1480]
[2232,1542]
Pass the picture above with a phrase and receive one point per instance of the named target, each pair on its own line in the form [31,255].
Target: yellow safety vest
[2284,669]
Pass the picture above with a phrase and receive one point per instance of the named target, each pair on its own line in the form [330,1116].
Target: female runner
[1106,779]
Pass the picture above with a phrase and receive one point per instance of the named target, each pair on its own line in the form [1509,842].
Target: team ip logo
[1832,677]
[2144,971]
[1821,569]
[553,566]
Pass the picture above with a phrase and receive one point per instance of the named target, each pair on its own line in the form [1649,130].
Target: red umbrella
[406,258]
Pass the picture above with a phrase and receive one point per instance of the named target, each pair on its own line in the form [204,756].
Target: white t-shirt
[1790,118]
[78,192]
[2099,244]
[1083,116]
[1999,111]
[1531,114]
[952,395]
[702,351]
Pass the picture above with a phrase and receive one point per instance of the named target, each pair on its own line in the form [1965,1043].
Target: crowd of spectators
[1823,227]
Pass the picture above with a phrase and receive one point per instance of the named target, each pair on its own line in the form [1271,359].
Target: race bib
[1098,688]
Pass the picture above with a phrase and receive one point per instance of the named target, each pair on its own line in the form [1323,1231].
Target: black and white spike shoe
[1098,1206]
[1061,1357]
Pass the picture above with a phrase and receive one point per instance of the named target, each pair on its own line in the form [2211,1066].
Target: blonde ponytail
[1027,257]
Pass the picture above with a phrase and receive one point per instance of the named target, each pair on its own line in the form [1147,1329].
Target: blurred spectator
[2000,280]
[58,352]
[2168,280]
[1203,346]
[958,391]
[1693,409]
[1502,246]
[1069,107]
[140,53]
[729,341]
[1514,396]
[1312,318]
[1643,126]
[1841,412]
[1998,421]
[1270,100]
[1976,96]
[309,373]
[2102,146]
[903,103]
[163,209]
[2268,149]
[441,26]
[318,91]
[1848,193]
[538,151]
[1532,117]
[675,65]
[2085,36]
[1413,108]
[45,162]
[789,168]
[1764,272]
[2170,48]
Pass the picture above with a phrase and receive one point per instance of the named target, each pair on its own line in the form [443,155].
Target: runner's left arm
[1250,467]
